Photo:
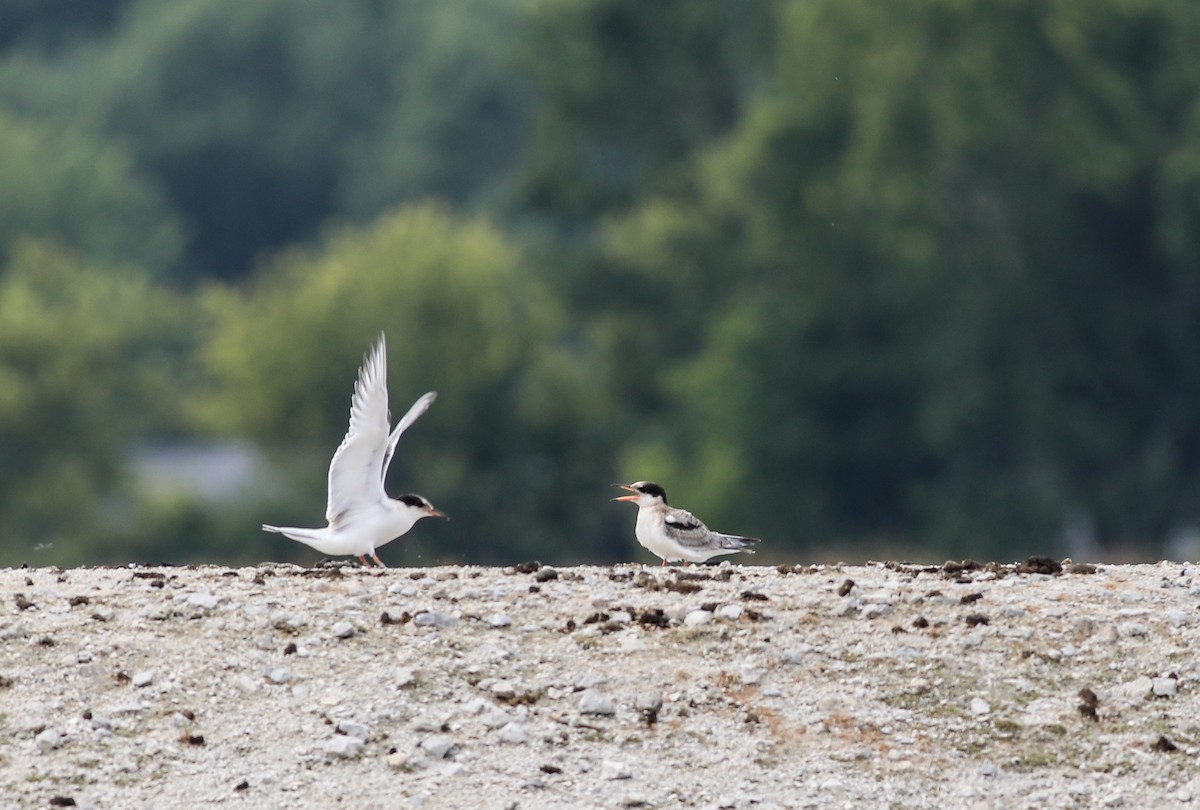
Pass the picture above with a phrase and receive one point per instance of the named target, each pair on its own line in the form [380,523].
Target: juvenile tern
[674,534]
[361,516]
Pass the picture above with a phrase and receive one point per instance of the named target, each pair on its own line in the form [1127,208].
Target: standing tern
[360,514]
[674,534]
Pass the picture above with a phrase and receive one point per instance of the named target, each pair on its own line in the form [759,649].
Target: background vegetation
[911,279]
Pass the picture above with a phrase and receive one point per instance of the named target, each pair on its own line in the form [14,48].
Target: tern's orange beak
[632,497]
[436,513]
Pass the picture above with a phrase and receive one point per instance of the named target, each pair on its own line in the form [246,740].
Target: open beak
[435,513]
[632,497]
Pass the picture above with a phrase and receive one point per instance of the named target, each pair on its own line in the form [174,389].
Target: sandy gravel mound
[887,685]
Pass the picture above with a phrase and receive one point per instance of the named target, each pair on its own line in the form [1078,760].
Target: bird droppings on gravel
[629,686]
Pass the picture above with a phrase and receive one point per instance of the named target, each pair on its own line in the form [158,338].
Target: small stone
[343,630]
[496,717]
[1108,634]
[676,612]
[633,800]
[503,690]
[499,620]
[648,702]
[730,613]
[48,740]
[432,618]
[406,676]
[545,574]
[396,760]
[352,729]
[696,618]
[340,745]
[611,769]
[1134,630]
[1178,618]
[794,656]
[279,675]
[1137,689]
[751,676]
[989,769]
[204,601]
[595,702]
[1165,687]
[425,722]
[980,707]
[142,679]
[621,617]
[439,746]
[590,680]
[513,733]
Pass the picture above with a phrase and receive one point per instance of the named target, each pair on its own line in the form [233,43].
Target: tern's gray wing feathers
[686,529]
[354,473]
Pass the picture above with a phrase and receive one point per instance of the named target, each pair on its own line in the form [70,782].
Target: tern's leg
[375,557]
[664,561]
[363,559]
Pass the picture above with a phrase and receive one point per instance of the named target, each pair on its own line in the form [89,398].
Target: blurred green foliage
[910,278]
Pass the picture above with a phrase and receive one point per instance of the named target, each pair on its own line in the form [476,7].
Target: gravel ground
[886,685]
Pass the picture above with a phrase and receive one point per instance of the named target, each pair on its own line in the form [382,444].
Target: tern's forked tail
[735,542]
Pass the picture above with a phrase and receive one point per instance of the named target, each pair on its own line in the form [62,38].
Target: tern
[674,534]
[361,516]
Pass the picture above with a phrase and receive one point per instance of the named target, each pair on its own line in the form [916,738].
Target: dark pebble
[1163,745]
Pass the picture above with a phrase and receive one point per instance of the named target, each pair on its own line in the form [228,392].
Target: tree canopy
[856,278]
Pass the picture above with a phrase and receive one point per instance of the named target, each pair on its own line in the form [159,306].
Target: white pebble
[697,618]
[340,745]
[205,601]
[513,733]
[729,613]
[434,619]
[48,740]
[611,769]
[503,690]
[592,701]
[143,679]
[439,746]
[1165,687]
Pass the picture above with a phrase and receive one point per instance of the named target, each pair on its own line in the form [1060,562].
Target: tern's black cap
[652,489]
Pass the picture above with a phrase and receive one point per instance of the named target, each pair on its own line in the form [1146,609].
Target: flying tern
[360,514]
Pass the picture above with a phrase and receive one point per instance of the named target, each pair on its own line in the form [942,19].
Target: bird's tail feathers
[738,543]
[303,535]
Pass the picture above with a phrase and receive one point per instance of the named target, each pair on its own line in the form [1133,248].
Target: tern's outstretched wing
[419,407]
[354,479]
